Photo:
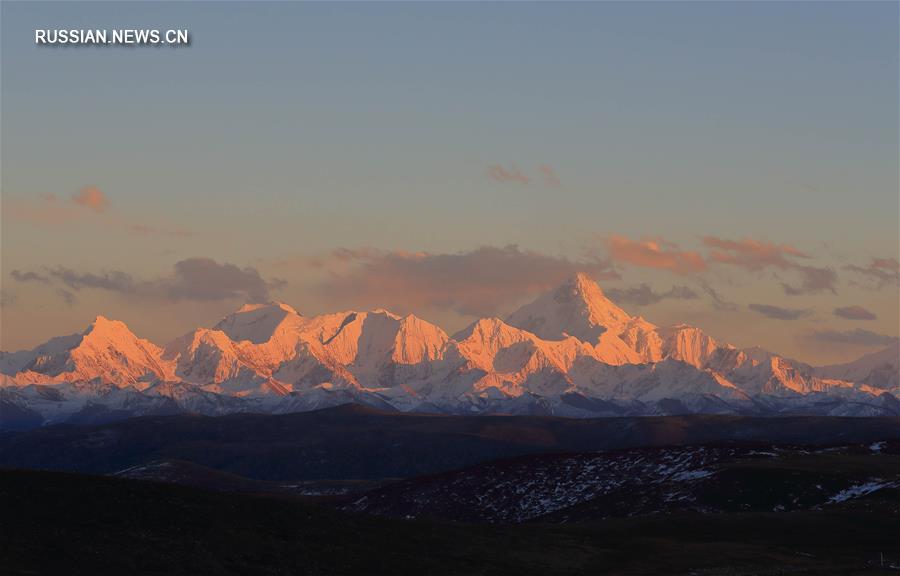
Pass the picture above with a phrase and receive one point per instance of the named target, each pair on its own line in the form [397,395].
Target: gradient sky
[455,159]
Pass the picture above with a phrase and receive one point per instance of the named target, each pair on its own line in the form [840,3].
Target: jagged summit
[583,282]
[485,326]
[103,326]
[578,307]
[106,351]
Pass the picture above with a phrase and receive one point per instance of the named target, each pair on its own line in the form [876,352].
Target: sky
[729,165]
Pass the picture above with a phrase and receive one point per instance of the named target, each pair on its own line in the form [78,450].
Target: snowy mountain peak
[102,324]
[106,351]
[578,307]
[487,329]
[880,370]
[583,283]
[481,342]
[258,323]
[571,351]
[103,332]
[418,341]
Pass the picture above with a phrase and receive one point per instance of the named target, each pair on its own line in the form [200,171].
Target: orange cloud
[500,174]
[654,253]
[754,255]
[91,197]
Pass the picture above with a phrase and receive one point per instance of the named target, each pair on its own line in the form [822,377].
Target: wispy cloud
[719,301]
[755,255]
[779,313]
[498,173]
[812,280]
[546,175]
[854,313]
[880,271]
[66,296]
[29,276]
[115,280]
[752,254]
[192,279]
[857,337]
[644,295]
[654,253]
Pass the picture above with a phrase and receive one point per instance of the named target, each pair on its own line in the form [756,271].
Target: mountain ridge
[572,351]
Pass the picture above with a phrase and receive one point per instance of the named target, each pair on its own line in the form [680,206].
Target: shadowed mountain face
[355,442]
[571,352]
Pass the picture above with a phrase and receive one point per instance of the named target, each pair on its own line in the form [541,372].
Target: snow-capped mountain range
[571,352]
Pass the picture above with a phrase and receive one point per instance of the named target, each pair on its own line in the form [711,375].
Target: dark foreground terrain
[59,523]
[357,442]
[352,490]
[566,488]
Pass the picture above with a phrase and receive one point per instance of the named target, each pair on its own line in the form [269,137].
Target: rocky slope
[622,483]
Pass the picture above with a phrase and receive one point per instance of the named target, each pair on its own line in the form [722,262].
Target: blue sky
[288,130]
